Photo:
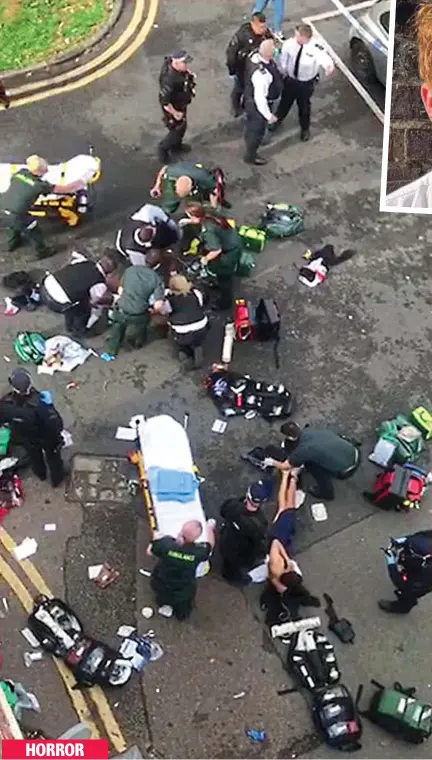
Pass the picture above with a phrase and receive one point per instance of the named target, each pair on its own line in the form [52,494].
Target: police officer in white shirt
[263,86]
[300,61]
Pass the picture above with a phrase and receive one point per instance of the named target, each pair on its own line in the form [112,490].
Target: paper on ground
[25,549]
[125,630]
[126,434]
[49,527]
[93,571]
[259,574]
[30,637]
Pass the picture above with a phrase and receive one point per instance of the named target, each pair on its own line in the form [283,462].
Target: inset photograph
[407,153]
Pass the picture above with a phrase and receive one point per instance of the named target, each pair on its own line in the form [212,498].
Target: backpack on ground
[401,488]
[399,711]
[282,220]
[311,660]
[253,238]
[336,718]
[267,324]
[30,347]
[422,419]
[406,438]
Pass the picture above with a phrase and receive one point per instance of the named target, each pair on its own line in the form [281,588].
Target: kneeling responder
[35,424]
[410,570]
[142,290]
[15,204]
[263,86]
[177,85]
[186,180]
[149,227]
[245,41]
[173,579]
[78,287]
[223,248]
[187,319]
[243,534]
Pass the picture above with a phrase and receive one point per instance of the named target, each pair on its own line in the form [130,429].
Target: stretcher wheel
[71,218]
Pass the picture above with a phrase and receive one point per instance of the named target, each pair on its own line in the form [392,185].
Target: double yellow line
[98,67]
[80,706]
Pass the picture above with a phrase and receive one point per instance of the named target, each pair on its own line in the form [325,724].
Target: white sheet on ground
[164,443]
[82,167]
[69,353]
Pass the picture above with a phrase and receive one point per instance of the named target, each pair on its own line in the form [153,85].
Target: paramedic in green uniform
[142,289]
[184,180]
[173,579]
[15,204]
[223,247]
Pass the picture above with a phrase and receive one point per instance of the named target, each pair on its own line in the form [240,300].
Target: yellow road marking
[103,71]
[95,62]
[112,728]
[77,699]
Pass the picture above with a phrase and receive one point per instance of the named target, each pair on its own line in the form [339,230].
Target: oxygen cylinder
[228,342]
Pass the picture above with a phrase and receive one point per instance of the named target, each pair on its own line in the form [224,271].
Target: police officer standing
[263,84]
[35,424]
[15,204]
[300,61]
[245,41]
[176,90]
[409,564]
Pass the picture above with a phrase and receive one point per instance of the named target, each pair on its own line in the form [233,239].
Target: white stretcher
[83,167]
[164,443]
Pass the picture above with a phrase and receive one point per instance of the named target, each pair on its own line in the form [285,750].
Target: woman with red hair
[223,247]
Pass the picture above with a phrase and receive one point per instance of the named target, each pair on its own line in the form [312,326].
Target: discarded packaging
[30,657]
[147,573]
[319,511]
[140,650]
[30,637]
[219,426]
[147,612]
[256,736]
[93,571]
[25,549]
[239,695]
[166,611]
[125,631]
[67,438]
[50,527]
[6,358]
[106,576]
[126,434]
[5,604]
[72,386]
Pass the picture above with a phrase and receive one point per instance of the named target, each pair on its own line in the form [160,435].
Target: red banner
[59,749]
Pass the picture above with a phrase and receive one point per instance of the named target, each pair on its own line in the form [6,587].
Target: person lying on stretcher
[285,591]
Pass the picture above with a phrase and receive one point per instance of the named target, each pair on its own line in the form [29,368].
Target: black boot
[305,135]
[392,606]
[255,160]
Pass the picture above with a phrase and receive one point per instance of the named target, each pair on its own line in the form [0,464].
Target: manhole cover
[100,479]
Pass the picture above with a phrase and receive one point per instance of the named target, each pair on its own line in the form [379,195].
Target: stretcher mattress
[83,167]
[164,444]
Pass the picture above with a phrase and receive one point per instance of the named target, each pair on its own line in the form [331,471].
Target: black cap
[20,380]
[181,55]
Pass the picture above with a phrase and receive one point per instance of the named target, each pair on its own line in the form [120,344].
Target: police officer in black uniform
[409,563]
[35,424]
[245,41]
[176,90]
[263,85]
[78,286]
[25,187]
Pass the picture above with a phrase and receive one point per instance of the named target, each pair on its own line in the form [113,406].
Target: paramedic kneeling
[173,579]
[410,570]
[322,453]
[187,319]
[78,287]
[149,227]
[243,534]
[25,187]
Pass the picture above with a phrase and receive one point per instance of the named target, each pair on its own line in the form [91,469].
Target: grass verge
[34,31]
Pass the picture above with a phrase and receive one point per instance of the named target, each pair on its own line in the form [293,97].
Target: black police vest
[20,412]
[127,239]
[181,85]
[186,309]
[77,279]
[275,88]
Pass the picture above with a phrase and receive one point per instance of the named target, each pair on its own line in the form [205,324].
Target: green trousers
[135,325]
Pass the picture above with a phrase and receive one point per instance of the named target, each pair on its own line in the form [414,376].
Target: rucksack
[253,238]
[402,434]
[400,488]
[30,347]
[282,220]
[399,712]
[422,418]
[337,719]
[267,324]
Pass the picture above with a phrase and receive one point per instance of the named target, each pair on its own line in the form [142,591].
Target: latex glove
[390,558]
[268,462]
[46,397]
[399,541]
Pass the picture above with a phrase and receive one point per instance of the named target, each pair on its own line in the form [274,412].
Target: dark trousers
[407,594]
[181,609]
[280,608]
[43,458]
[225,286]
[24,226]
[76,318]
[324,478]
[301,93]
[176,132]
[189,342]
[255,130]
[237,95]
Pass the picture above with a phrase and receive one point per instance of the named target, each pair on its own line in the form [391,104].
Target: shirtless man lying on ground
[284,592]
